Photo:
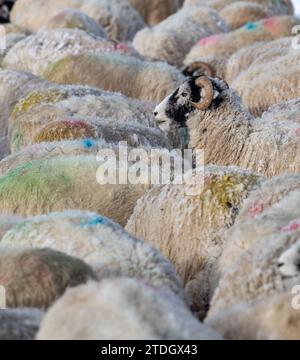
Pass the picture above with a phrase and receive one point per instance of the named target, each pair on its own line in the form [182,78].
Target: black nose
[155,113]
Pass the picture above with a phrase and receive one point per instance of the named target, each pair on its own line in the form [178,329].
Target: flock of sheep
[80,260]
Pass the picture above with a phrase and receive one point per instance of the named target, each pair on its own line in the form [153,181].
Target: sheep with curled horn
[219,123]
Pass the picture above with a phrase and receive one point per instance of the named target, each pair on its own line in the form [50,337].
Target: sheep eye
[184,94]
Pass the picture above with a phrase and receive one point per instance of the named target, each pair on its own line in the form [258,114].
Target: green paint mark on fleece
[34,185]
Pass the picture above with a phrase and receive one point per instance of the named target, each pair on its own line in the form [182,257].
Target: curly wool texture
[230,135]
[267,211]
[120,20]
[122,309]
[75,19]
[240,13]
[100,242]
[129,75]
[255,274]
[20,324]
[13,86]
[36,52]
[7,222]
[189,229]
[287,110]
[68,182]
[217,49]
[114,116]
[282,77]
[65,130]
[50,150]
[259,53]
[172,39]
[278,7]
[155,11]
[271,318]
[38,277]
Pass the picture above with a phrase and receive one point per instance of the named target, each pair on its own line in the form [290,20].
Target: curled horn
[205,68]
[204,83]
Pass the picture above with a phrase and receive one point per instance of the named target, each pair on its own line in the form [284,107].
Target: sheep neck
[222,130]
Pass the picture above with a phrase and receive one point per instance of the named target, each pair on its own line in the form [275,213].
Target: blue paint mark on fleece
[88,143]
[97,220]
[251,26]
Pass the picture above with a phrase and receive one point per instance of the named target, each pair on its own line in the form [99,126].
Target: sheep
[72,112]
[13,86]
[216,49]
[171,40]
[37,277]
[155,11]
[10,41]
[220,124]
[281,74]
[255,274]
[258,53]
[53,149]
[37,51]
[239,13]
[20,324]
[129,75]
[75,19]
[189,229]
[120,20]
[271,209]
[287,110]
[121,309]
[280,7]
[82,182]
[101,243]
[271,318]
[7,222]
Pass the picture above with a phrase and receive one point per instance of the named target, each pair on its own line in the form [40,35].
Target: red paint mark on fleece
[271,24]
[292,226]
[256,210]
[210,40]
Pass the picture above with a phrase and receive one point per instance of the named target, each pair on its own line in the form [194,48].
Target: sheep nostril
[280,264]
[155,113]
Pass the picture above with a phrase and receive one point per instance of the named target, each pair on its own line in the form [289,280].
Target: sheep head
[197,93]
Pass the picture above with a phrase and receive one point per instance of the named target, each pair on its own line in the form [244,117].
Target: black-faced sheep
[220,124]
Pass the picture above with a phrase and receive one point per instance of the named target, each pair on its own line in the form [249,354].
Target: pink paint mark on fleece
[292,226]
[271,24]
[210,40]
[298,132]
[122,47]
[256,210]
